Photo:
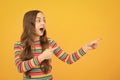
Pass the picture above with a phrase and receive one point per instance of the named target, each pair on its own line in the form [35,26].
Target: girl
[34,51]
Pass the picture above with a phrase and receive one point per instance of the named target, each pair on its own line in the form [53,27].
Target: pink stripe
[18,62]
[83,51]
[38,60]
[17,55]
[29,64]
[37,45]
[51,79]
[76,55]
[70,61]
[59,52]
[17,48]
[54,45]
[21,68]
[36,54]
[37,73]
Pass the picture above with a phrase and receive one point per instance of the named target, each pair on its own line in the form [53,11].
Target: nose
[42,23]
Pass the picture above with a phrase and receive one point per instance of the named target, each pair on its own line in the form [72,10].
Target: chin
[41,34]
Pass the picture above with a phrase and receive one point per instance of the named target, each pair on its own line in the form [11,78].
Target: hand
[47,54]
[92,45]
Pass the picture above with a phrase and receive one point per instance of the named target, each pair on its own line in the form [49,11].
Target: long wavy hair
[27,39]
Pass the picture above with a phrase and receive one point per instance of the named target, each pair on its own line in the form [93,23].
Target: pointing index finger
[99,39]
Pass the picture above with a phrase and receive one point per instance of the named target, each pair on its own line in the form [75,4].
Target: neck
[37,38]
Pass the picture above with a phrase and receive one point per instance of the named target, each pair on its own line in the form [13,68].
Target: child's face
[40,24]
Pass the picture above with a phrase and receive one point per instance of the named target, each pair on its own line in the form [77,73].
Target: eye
[38,20]
[44,20]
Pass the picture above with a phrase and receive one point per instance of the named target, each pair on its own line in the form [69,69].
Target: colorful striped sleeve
[65,57]
[24,66]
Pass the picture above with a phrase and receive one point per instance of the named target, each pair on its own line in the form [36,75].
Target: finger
[99,39]
[54,48]
[94,46]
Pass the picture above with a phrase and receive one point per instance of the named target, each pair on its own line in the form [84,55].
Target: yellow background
[71,23]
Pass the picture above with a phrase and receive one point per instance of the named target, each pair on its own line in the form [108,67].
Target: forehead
[40,15]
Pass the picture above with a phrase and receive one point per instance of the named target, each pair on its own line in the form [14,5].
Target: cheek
[36,30]
[36,27]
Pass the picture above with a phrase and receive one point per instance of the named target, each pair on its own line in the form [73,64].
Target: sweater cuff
[81,52]
[38,60]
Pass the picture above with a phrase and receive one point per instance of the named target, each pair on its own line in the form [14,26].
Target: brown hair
[27,39]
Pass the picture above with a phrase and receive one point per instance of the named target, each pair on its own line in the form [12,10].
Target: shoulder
[18,43]
[51,40]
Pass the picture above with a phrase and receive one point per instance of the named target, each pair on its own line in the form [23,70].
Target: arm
[65,57]
[76,55]
[24,66]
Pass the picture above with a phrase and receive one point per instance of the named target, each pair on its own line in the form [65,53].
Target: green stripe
[68,61]
[64,54]
[18,59]
[37,50]
[17,52]
[57,50]
[26,65]
[36,70]
[74,58]
[40,78]
[35,62]
[18,67]
[80,52]
[49,40]
[38,42]
[53,42]
[17,45]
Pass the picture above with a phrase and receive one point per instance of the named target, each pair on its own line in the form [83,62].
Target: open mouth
[41,29]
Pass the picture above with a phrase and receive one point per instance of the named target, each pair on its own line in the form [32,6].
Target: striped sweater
[33,64]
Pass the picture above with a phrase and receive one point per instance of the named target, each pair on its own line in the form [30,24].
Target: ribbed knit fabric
[33,64]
